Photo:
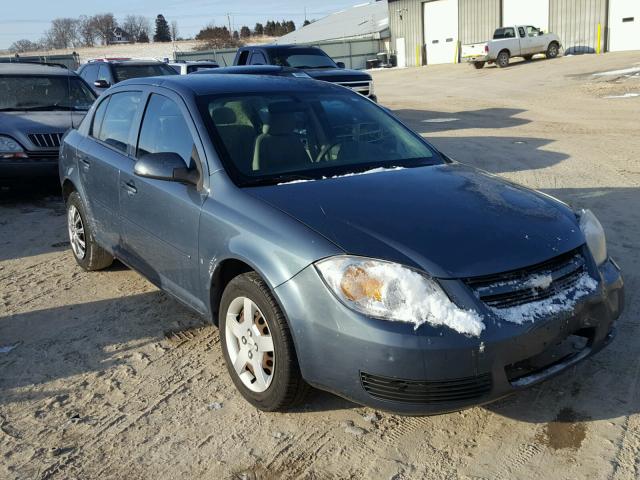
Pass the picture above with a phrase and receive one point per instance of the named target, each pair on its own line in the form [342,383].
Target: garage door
[526,12]
[441,31]
[624,25]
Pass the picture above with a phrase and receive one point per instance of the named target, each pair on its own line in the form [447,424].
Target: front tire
[257,345]
[503,59]
[88,254]
[553,50]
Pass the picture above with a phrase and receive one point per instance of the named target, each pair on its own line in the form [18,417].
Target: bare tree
[105,24]
[64,33]
[24,45]
[87,31]
[137,26]
[174,30]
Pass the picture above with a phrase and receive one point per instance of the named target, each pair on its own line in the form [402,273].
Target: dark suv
[38,104]
[102,73]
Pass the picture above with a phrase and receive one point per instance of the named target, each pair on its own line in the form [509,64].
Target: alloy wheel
[249,344]
[76,232]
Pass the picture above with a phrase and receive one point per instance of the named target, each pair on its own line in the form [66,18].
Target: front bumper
[29,167]
[390,366]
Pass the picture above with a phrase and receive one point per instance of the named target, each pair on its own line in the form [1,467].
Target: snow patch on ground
[367,172]
[626,95]
[624,71]
[560,302]
[439,120]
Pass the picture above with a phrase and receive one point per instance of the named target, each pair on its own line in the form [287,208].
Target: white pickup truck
[513,41]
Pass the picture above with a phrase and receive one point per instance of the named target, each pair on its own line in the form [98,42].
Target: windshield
[125,72]
[30,92]
[302,58]
[273,138]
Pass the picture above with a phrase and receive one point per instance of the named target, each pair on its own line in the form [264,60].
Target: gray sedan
[333,246]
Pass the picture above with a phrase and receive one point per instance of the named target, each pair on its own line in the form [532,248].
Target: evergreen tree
[245,32]
[163,32]
[258,29]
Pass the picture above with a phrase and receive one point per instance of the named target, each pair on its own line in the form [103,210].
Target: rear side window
[164,130]
[258,59]
[118,118]
[244,56]
[504,33]
[98,118]
[521,31]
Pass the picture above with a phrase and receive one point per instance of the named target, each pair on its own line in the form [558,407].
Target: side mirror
[101,84]
[340,65]
[166,166]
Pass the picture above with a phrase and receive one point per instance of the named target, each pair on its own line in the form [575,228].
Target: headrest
[223,116]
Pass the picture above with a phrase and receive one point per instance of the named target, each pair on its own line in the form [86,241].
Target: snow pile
[560,302]
[625,71]
[366,172]
[539,281]
[397,293]
[626,95]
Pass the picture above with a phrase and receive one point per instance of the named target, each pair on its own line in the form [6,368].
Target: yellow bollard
[418,62]
[599,38]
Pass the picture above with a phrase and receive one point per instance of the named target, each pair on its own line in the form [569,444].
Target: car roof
[124,61]
[217,84]
[26,68]
[248,69]
[285,47]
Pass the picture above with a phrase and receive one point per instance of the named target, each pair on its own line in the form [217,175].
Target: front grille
[531,284]
[426,392]
[46,140]
[363,88]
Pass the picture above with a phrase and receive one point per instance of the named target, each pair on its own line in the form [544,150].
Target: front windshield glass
[30,92]
[302,58]
[125,72]
[272,138]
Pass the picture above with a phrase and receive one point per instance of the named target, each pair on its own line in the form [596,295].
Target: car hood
[450,220]
[40,122]
[338,75]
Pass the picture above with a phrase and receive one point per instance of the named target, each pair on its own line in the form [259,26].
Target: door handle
[130,187]
[85,161]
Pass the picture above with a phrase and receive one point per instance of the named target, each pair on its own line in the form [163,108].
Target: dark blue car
[333,246]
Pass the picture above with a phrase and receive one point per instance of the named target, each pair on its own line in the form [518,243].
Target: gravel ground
[110,378]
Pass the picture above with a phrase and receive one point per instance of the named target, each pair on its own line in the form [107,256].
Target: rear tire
[261,340]
[553,50]
[503,59]
[88,254]
[478,65]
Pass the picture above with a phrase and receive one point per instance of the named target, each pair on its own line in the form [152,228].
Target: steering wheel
[325,150]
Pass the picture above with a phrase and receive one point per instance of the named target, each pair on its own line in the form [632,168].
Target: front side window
[258,59]
[267,136]
[302,58]
[532,31]
[44,93]
[118,119]
[98,118]
[164,130]
[103,73]
[125,72]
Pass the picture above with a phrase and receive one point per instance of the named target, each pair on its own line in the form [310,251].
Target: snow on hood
[451,220]
[373,170]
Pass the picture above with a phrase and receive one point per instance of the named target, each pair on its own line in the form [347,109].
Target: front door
[160,219]
[441,31]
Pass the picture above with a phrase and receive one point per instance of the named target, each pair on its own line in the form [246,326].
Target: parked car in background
[513,41]
[333,246]
[311,60]
[186,67]
[38,104]
[102,73]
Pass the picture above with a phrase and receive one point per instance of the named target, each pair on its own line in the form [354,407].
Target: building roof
[367,20]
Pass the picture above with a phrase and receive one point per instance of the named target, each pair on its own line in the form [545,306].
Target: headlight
[9,148]
[393,292]
[594,234]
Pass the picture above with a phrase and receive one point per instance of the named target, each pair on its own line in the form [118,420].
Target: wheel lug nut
[250,355]
[244,340]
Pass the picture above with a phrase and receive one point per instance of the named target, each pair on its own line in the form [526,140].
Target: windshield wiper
[276,179]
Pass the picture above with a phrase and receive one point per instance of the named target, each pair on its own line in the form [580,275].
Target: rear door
[526,42]
[161,218]
[100,158]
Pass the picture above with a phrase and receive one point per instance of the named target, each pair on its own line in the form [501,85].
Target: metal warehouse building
[431,32]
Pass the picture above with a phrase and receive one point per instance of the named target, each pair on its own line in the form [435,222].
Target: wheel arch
[225,271]
[68,187]
[504,50]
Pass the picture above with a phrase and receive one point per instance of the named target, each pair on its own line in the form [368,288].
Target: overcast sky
[30,18]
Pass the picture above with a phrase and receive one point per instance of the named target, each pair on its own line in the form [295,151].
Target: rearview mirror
[166,166]
[101,84]
[340,65]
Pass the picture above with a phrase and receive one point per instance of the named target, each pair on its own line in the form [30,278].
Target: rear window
[125,72]
[504,33]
